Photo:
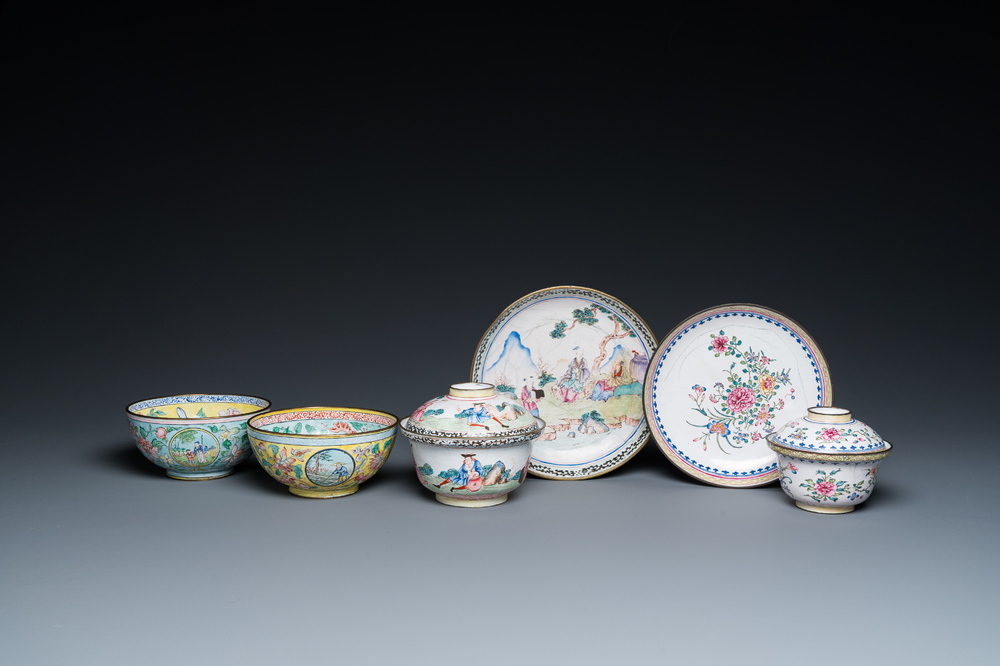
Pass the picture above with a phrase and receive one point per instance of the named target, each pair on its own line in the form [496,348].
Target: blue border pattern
[185,399]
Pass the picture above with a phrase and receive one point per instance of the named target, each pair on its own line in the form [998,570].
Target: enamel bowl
[322,452]
[828,460]
[194,437]
[471,447]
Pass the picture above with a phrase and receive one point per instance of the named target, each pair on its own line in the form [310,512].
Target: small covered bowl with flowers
[828,460]
[471,447]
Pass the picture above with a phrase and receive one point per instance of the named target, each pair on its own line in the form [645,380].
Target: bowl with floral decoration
[196,436]
[828,460]
[471,447]
[322,452]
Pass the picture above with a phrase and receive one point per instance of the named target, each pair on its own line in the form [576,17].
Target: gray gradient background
[332,209]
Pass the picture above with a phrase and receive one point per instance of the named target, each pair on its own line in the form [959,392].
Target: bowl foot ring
[203,476]
[323,494]
[471,502]
[825,509]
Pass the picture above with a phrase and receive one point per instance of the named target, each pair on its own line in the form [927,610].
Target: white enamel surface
[827,484]
[684,401]
[520,349]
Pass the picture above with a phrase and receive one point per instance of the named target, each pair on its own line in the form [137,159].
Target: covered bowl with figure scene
[471,447]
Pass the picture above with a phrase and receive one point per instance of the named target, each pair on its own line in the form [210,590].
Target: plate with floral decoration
[721,381]
[576,358]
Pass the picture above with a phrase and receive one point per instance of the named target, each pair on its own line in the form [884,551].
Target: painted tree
[588,317]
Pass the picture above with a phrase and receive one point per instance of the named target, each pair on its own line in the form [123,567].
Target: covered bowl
[471,447]
[828,460]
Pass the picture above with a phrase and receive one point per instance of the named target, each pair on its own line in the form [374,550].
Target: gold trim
[827,510]
[829,457]
[325,436]
[834,415]
[484,390]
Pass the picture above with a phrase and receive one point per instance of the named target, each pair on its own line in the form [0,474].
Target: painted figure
[477,416]
[619,375]
[602,391]
[339,472]
[469,474]
[507,412]
[528,396]
[571,383]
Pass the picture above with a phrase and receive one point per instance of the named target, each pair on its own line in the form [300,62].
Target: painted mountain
[514,363]
[618,354]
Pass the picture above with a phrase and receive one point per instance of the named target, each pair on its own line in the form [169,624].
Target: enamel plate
[721,381]
[576,358]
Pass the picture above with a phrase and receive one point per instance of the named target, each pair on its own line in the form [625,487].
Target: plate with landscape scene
[576,358]
[721,381]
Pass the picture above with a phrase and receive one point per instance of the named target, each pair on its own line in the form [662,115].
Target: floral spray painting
[724,379]
[577,359]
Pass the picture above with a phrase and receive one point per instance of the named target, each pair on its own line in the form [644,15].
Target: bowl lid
[828,430]
[472,410]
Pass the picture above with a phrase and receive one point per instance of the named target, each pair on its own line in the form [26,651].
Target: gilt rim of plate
[763,475]
[263,404]
[628,448]
[323,410]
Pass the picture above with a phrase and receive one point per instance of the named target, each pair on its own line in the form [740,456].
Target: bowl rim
[325,436]
[198,419]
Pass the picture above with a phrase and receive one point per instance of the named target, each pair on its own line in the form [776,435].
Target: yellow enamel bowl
[322,452]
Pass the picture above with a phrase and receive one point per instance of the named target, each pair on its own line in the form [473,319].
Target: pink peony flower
[825,488]
[719,344]
[161,433]
[740,399]
[830,435]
